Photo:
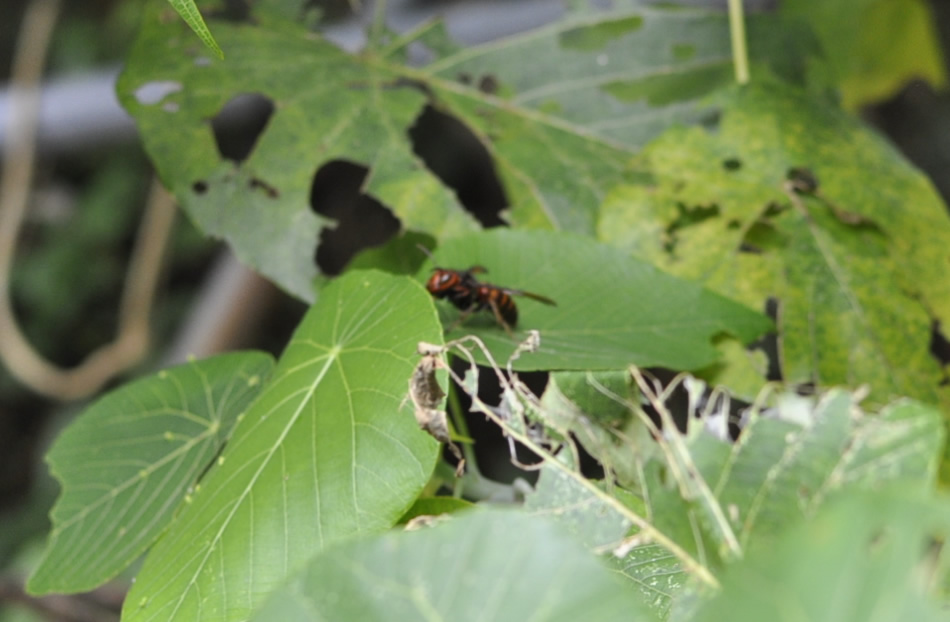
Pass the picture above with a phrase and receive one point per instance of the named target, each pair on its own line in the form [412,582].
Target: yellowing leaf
[857,269]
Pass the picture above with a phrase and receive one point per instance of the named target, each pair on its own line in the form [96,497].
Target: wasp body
[468,294]
[457,286]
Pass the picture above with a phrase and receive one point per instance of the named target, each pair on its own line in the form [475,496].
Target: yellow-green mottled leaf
[858,269]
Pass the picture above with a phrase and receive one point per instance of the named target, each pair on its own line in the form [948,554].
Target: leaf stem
[740,56]
[378,26]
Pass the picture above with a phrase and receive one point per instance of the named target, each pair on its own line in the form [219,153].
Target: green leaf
[435,506]
[565,120]
[612,310]
[595,409]
[857,268]
[483,565]
[869,557]
[785,466]
[189,12]
[127,461]
[791,465]
[401,255]
[590,519]
[873,47]
[325,453]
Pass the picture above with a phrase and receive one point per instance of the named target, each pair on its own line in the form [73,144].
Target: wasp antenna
[425,250]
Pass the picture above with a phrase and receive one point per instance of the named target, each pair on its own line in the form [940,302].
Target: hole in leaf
[773,209]
[361,220]
[154,92]
[455,155]
[803,180]
[732,164]
[710,120]
[940,347]
[687,217]
[239,124]
[492,453]
[768,343]
[232,11]
[488,84]
[806,389]
[200,186]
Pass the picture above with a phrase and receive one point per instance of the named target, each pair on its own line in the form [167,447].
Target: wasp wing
[531,295]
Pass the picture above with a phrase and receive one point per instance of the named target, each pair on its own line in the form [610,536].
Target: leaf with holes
[612,310]
[326,452]
[869,557]
[857,265]
[643,67]
[128,460]
[786,465]
[594,408]
[483,565]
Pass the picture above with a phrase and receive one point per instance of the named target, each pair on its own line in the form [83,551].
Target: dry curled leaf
[426,520]
[426,396]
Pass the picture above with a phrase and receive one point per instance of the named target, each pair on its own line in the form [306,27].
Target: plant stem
[690,564]
[740,56]
[378,25]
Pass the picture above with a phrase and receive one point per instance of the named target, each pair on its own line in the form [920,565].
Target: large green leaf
[870,557]
[325,452]
[484,565]
[858,270]
[572,103]
[612,310]
[128,460]
[717,499]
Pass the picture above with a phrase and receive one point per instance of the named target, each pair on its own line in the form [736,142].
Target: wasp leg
[499,318]
[463,315]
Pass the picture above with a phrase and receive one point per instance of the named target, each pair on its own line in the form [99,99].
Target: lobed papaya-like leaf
[560,110]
